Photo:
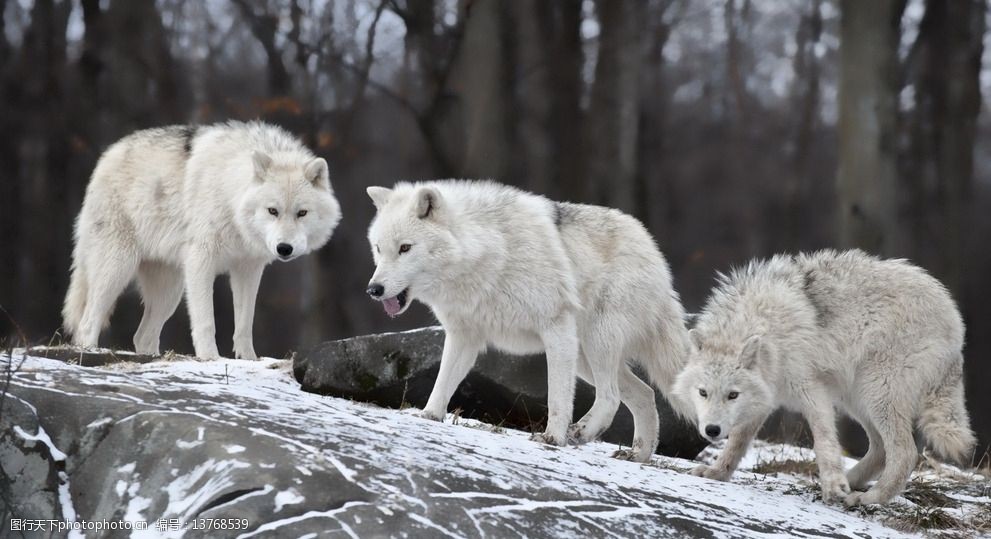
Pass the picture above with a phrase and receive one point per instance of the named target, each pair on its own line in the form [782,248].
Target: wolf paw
[710,472]
[576,434]
[549,439]
[248,354]
[860,498]
[433,416]
[834,487]
[625,454]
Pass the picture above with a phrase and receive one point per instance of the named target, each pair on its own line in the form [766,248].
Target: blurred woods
[732,128]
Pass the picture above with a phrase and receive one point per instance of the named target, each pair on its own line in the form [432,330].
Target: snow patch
[136,507]
[100,422]
[41,436]
[287,497]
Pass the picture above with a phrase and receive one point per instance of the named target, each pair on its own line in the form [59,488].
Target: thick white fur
[506,268]
[879,340]
[175,206]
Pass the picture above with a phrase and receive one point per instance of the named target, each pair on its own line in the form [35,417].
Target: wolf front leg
[461,349]
[561,346]
[819,412]
[736,447]
[244,288]
[200,274]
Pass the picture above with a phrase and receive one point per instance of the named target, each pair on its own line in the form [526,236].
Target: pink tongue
[392,306]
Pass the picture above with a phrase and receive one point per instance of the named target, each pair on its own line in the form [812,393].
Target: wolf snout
[375,290]
[284,250]
[712,431]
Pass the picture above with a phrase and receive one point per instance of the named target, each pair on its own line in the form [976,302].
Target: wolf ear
[261,161]
[379,195]
[752,349]
[316,171]
[427,202]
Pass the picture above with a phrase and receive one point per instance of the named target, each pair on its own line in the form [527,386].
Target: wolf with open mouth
[505,268]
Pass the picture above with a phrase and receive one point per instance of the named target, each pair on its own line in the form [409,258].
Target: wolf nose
[375,290]
[284,249]
[712,431]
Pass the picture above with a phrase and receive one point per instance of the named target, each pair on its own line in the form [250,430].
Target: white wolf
[506,268]
[878,339]
[178,205]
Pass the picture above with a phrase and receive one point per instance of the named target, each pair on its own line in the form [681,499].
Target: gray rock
[398,370]
[188,440]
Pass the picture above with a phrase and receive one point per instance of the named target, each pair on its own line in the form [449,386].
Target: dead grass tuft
[788,466]
[928,495]
[922,519]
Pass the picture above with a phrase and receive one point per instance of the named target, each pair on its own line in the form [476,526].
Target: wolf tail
[75,298]
[669,355]
[945,423]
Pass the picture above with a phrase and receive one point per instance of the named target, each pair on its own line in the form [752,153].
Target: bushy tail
[75,298]
[945,423]
[666,360]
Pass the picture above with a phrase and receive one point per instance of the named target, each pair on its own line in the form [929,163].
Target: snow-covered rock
[190,440]
[398,369]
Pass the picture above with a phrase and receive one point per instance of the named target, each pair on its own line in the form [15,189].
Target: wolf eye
[273,211]
[732,395]
[703,393]
[404,248]
[301,213]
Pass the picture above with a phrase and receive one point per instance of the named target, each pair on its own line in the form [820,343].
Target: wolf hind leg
[871,463]
[117,258]
[900,457]
[161,289]
[604,367]
[638,396]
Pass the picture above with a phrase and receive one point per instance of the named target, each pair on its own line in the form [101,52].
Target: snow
[41,436]
[597,492]
[287,497]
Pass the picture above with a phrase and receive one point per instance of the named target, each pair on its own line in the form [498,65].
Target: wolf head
[288,208]
[411,243]
[726,385]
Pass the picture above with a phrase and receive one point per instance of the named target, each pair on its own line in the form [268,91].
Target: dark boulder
[397,370]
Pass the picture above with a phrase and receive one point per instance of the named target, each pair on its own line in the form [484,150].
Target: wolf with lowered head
[827,333]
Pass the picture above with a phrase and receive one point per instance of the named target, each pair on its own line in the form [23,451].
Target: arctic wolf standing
[178,205]
[878,339]
[506,268]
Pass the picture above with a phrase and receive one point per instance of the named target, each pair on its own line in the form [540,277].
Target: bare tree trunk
[807,102]
[560,23]
[10,180]
[734,19]
[948,100]
[867,179]
[487,83]
[534,162]
[264,26]
[611,138]
[429,61]
[44,156]
[655,190]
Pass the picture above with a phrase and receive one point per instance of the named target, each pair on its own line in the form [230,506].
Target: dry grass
[921,519]
[928,495]
[788,466]
[980,521]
